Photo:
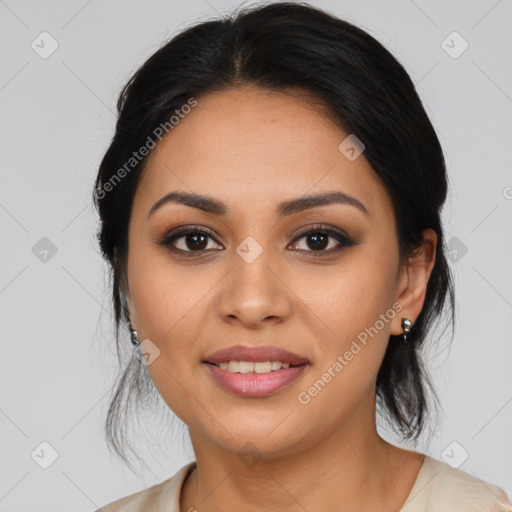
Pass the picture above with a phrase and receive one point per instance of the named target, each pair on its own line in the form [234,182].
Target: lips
[256,385]
[255,354]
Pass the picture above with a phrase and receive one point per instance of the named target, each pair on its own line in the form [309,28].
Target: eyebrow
[211,205]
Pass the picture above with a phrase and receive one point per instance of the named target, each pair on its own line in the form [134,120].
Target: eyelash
[321,229]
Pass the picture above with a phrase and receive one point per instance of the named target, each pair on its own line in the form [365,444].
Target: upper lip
[255,354]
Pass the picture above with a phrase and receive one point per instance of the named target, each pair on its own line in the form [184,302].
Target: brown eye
[317,241]
[187,241]
[323,240]
[194,242]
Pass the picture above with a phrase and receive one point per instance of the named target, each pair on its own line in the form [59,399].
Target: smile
[252,366]
[255,379]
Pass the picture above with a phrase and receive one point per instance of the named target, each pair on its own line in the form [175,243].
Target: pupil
[317,240]
[195,237]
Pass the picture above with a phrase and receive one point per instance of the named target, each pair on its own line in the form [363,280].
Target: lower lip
[256,384]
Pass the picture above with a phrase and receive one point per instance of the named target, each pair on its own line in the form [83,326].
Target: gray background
[58,115]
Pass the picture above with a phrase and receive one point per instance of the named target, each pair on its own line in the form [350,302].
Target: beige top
[438,488]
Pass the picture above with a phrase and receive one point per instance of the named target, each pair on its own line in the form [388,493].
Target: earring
[135,339]
[406,326]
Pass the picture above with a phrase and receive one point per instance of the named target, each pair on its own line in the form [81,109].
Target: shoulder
[439,486]
[162,496]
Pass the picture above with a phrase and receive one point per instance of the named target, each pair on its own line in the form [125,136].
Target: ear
[413,280]
[131,312]
[125,291]
[129,305]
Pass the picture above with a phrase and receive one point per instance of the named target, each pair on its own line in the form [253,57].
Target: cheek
[350,297]
[350,303]
[167,303]
[166,298]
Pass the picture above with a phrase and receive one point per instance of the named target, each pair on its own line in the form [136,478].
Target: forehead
[256,146]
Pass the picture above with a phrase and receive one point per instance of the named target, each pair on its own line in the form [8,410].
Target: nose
[254,294]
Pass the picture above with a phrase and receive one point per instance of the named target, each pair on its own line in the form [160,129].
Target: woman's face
[255,278]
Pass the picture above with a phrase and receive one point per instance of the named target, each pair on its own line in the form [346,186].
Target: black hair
[286,47]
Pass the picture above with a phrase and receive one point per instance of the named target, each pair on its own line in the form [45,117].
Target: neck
[347,469]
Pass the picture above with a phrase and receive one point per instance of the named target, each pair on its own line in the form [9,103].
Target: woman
[270,207]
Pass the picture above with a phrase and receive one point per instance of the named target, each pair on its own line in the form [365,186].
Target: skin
[252,149]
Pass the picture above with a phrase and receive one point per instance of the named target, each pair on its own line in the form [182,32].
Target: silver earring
[135,339]
[406,326]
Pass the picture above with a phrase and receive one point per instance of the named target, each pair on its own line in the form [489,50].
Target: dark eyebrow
[303,203]
[211,205]
[207,204]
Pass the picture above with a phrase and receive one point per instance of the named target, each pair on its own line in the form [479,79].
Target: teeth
[262,367]
[245,367]
[251,367]
[233,366]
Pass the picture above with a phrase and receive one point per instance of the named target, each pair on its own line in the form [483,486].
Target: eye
[320,238]
[188,241]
